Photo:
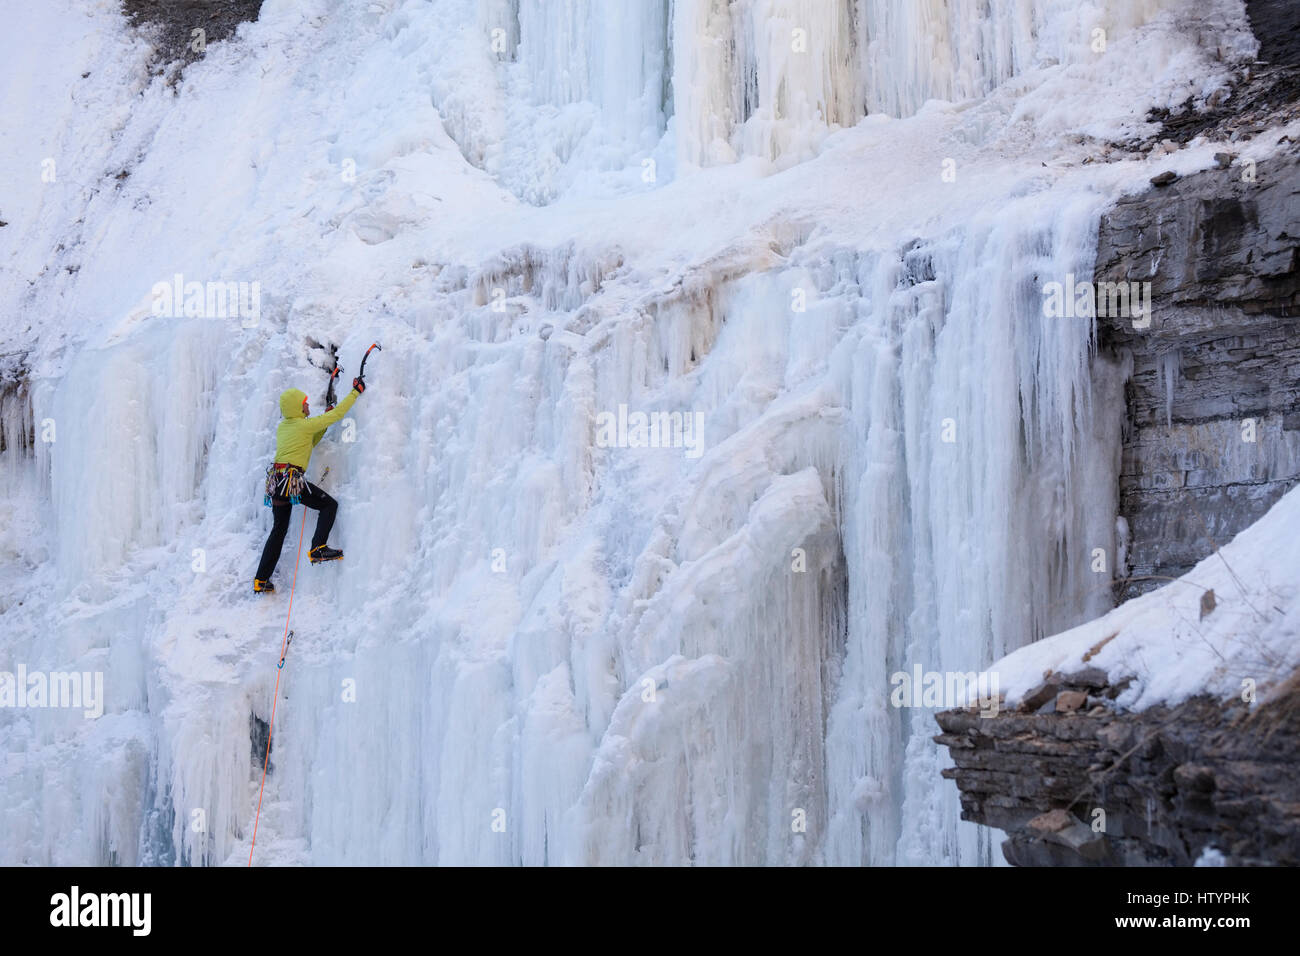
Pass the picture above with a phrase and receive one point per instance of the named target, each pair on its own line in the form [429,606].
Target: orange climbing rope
[284,649]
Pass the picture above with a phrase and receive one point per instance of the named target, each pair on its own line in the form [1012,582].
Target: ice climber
[286,482]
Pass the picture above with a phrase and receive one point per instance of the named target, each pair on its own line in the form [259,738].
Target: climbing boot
[324,553]
[263,587]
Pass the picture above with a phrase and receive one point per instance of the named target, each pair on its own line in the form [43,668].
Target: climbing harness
[284,481]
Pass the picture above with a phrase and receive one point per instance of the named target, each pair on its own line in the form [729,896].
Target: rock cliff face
[1075,781]
[1213,431]
[1277,26]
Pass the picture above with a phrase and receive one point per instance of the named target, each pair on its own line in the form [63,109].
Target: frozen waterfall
[819,229]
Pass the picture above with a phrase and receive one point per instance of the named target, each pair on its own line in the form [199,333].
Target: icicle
[1168,367]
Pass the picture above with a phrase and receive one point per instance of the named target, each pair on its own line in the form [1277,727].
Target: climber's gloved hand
[360,385]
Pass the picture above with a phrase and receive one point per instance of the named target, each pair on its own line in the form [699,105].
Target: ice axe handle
[373,346]
[330,398]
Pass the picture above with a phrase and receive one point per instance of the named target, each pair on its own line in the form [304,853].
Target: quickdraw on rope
[279,668]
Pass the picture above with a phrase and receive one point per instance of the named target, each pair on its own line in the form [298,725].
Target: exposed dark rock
[1039,696]
[172,24]
[1276,24]
[1092,678]
[1262,96]
[1148,788]
[1213,420]
[259,735]
[17,424]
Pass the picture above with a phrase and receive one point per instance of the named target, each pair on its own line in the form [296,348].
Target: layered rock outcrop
[1073,780]
[1213,430]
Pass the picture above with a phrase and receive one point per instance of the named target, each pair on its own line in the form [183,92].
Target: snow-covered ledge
[1166,731]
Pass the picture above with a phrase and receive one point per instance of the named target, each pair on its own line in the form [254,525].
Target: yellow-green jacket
[298,435]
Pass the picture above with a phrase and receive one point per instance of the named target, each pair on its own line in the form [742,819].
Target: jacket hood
[291,402]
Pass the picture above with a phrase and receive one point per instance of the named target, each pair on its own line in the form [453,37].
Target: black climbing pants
[312,497]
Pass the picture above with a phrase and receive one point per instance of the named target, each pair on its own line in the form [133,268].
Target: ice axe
[373,346]
[330,399]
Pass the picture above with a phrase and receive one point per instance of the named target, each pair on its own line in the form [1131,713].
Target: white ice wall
[577,95]
[913,51]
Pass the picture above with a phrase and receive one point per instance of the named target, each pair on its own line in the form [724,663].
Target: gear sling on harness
[284,481]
